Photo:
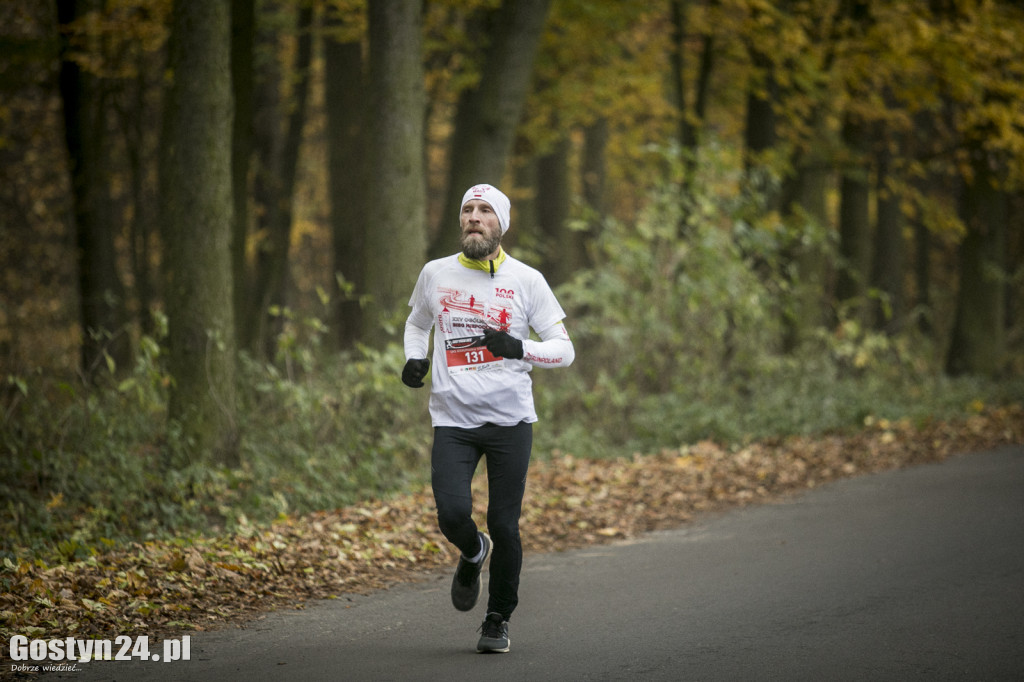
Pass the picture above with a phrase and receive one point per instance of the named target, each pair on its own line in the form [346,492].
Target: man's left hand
[503,345]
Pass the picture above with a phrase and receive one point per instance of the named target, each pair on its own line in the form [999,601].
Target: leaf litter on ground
[168,587]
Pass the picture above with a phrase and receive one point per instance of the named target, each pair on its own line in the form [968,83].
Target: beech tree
[243,37]
[690,102]
[345,94]
[888,264]
[488,112]
[855,169]
[581,93]
[978,335]
[196,210]
[990,168]
[789,153]
[278,141]
[103,316]
[395,234]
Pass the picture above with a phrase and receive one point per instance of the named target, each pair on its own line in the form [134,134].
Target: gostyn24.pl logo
[38,655]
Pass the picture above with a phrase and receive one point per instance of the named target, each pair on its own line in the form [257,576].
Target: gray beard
[478,249]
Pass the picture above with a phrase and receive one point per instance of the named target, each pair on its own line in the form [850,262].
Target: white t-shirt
[469,386]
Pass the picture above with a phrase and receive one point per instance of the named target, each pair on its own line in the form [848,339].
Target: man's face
[481,231]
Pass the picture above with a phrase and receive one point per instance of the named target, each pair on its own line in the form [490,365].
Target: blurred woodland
[212,214]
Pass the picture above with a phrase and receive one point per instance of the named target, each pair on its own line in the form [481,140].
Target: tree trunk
[396,238]
[594,174]
[923,278]
[268,149]
[888,269]
[978,341]
[594,168]
[689,121]
[804,207]
[686,134]
[142,144]
[760,131]
[528,229]
[488,114]
[1014,295]
[103,315]
[553,200]
[345,94]
[854,221]
[282,141]
[243,40]
[923,142]
[196,211]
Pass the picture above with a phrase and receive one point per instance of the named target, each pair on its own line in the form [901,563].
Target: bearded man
[481,304]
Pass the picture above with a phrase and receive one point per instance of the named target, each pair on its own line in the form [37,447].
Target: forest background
[763,218]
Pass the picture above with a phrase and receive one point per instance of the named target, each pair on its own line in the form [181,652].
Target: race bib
[469,354]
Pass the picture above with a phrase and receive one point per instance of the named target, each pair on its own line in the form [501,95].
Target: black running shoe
[466,587]
[493,635]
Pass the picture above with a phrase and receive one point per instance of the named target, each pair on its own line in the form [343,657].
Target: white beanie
[493,196]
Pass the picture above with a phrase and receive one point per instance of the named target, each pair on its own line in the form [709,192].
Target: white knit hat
[493,196]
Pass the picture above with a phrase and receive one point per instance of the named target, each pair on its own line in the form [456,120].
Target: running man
[481,399]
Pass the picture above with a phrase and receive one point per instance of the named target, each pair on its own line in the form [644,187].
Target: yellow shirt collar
[485,265]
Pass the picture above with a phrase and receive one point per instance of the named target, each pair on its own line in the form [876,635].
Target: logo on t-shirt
[463,319]
[462,313]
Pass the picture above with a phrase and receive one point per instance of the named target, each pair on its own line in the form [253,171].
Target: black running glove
[502,345]
[414,371]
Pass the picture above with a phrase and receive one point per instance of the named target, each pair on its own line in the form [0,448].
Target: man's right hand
[415,370]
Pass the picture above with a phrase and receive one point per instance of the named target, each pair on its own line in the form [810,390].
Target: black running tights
[454,458]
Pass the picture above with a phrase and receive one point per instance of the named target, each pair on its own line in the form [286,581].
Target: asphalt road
[908,575]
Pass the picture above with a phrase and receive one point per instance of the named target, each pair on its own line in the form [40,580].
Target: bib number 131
[468,354]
